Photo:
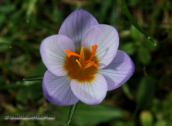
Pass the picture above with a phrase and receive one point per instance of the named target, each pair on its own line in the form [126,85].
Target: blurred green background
[145,100]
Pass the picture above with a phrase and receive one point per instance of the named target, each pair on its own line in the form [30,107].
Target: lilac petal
[76,24]
[118,71]
[53,53]
[90,92]
[107,39]
[57,89]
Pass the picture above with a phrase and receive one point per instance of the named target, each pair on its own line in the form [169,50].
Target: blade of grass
[131,19]
[33,78]
[18,84]
[71,113]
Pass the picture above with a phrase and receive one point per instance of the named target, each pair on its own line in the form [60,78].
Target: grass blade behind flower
[131,19]
[34,78]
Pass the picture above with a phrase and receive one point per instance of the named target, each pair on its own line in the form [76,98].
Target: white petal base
[90,93]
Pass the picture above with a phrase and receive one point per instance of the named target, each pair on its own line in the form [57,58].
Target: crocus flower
[83,61]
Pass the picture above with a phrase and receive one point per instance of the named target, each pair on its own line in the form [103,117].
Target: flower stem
[72,110]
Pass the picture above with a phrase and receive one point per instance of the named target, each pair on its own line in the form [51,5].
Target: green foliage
[101,113]
[162,110]
[135,34]
[145,92]
[129,48]
[146,118]
[7,9]
[144,56]
[73,108]
[24,24]
[127,91]
[123,123]
[32,92]
[129,16]
[90,115]
[106,4]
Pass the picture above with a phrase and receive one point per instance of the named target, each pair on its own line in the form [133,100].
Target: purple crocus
[83,61]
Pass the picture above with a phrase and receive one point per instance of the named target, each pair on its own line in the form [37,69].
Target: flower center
[83,66]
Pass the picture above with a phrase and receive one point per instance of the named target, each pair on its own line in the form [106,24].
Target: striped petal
[90,92]
[118,71]
[76,24]
[57,89]
[53,53]
[107,39]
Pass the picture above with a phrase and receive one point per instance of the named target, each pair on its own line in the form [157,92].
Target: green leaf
[33,92]
[16,15]
[135,34]
[133,2]
[33,75]
[4,46]
[40,70]
[147,45]
[57,15]
[7,8]
[87,114]
[103,12]
[31,8]
[114,13]
[129,48]
[22,95]
[18,84]
[127,91]
[145,92]
[144,56]
[131,19]
[71,113]
[93,114]
[160,123]
[34,78]
[2,19]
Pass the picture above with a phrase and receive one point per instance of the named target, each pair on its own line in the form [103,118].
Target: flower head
[83,61]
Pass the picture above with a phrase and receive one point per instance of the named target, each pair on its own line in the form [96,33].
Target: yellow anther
[81,54]
[79,63]
[86,65]
[83,64]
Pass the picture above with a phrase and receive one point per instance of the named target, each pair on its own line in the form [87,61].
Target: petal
[76,24]
[57,89]
[107,39]
[53,53]
[90,92]
[118,71]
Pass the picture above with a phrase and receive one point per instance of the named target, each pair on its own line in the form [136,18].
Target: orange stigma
[81,62]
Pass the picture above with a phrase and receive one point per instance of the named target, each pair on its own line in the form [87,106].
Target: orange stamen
[69,53]
[91,63]
[85,64]
[94,48]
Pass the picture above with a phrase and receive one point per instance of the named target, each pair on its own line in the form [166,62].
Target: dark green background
[145,100]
